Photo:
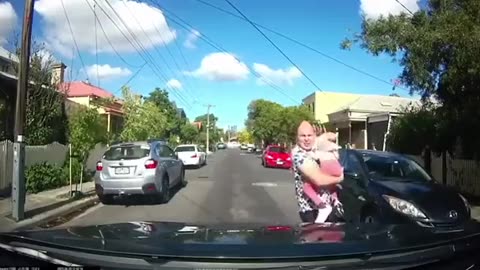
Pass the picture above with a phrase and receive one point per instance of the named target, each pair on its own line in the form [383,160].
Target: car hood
[434,199]
[252,241]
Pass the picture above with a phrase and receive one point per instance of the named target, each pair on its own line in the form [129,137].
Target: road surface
[233,187]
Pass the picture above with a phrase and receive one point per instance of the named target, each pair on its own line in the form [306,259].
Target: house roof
[5,75]
[378,104]
[83,89]
[4,53]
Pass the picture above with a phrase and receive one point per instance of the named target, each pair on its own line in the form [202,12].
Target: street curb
[52,214]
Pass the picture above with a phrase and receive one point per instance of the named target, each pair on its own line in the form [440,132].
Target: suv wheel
[165,189]
[183,181]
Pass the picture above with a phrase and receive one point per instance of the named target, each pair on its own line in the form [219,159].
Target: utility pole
[18,181]
[228,133]
[208,125]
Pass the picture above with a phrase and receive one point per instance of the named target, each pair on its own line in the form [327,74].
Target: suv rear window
[127,152]
[185,149]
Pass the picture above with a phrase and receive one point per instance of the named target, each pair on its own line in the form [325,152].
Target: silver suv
[147,168]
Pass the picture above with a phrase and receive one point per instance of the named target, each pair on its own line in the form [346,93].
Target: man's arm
[311,171]
[328,136]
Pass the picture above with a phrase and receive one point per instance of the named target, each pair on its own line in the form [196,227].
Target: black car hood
[434,199]
[182,240]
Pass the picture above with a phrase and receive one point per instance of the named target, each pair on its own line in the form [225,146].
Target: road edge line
[47,216]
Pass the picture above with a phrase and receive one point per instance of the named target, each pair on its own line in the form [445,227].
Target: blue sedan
[384,187]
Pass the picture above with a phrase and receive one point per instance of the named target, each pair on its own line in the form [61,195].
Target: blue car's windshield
[395,167]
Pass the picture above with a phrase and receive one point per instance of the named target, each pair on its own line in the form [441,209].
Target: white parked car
[191,155]
[233,144]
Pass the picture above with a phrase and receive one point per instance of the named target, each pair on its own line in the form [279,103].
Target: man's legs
[309,216]
[334,218]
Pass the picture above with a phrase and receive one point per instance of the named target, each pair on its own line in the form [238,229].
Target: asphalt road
[232,187]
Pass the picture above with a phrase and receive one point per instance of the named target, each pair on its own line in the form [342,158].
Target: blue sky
[221,80]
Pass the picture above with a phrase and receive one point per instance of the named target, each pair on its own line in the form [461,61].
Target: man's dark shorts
[311,216]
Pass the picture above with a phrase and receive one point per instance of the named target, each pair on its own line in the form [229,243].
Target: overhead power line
[152,60]
[185,25]
[132,77]
[409,11]
[160,35]
[274,45]
[302,44]
[96,44]
[74,41]
[137,45]
[108,39]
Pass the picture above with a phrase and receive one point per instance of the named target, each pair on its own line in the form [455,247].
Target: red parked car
[276,156]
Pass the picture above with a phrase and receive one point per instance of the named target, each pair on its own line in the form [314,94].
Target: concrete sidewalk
[42,206]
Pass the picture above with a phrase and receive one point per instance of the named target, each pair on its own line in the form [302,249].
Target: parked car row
[148,168]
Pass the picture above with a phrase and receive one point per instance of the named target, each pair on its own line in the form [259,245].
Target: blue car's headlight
[404,207]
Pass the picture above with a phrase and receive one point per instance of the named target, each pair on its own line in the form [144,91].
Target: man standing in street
[305,168]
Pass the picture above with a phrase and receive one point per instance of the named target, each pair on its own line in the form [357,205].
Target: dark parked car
[383,187]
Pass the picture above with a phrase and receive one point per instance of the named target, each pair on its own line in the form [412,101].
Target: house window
[4,68]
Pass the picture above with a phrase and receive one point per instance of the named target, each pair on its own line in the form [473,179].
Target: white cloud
[144,21]
[191,39]
[373,9]
[8,20]
[107,71]
[277,76]
[175,84]
[221,67]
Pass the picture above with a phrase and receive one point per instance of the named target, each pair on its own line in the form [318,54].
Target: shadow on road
[134,200]
[193,167]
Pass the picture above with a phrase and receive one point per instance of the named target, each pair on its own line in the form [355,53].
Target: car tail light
[278,228]
[99,166]
[194,156]
[151,164]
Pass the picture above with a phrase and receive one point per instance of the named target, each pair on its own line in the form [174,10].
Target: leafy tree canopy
[438,48]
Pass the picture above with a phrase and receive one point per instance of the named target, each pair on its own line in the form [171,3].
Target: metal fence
[54,153]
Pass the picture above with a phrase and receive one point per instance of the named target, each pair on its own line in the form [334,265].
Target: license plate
[122,170]
[279,162]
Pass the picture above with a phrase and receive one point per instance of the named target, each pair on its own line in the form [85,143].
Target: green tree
[214,135]
[291,119]
[245,136]
[174,123]
[143,119]
[203,119]
[273,123]
[189,133]
[438,48]
[45,115]
[86,130]
[264,120]
[418,123]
